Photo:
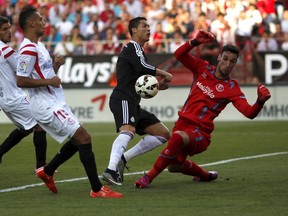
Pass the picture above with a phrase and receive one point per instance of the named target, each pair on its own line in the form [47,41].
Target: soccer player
[210,92]
[13,101]
[129,117]
[36,71]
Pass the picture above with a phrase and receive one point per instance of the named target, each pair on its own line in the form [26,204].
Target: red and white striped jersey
[34,61]
[10,94]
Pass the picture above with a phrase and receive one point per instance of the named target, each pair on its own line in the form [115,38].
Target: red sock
[167,156]
[192,169]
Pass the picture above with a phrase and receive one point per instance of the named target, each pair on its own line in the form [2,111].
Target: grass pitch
[251,158]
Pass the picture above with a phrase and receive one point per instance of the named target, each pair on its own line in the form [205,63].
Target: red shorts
[198,141]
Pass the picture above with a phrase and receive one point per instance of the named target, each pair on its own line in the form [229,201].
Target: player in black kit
[124,102]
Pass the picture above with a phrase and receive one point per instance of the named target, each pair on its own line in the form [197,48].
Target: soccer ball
[147,86]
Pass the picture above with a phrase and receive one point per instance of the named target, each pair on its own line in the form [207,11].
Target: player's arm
[25,66]
[246,109]
[183,55]
[137,59]
[11,57]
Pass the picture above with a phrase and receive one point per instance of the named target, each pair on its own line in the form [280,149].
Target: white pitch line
[141,172]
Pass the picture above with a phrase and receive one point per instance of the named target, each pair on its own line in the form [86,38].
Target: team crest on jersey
[71,121]
[23,66]
[219,87]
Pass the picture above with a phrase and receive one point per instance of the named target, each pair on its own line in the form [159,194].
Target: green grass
[255,186]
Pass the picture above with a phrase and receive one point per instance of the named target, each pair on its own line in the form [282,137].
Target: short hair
[133,23]
[230,48]
[3,20]
[25,14]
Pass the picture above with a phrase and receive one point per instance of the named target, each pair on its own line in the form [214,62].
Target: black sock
[88,160]
[66,152]
[13,139]
[40,143]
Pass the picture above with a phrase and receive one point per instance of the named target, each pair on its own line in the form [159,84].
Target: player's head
[29,18]
[139,29]
[5,29]
[227,60]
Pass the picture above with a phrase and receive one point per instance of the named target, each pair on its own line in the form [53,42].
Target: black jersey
[131,64]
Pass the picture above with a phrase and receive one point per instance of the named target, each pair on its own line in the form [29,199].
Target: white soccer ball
[147,86]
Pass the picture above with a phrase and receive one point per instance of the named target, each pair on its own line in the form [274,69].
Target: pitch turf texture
[253,182]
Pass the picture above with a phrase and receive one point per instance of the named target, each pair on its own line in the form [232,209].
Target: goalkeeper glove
[263,94]
[202,36]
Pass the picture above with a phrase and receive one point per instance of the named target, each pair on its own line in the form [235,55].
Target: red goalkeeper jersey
[208,95]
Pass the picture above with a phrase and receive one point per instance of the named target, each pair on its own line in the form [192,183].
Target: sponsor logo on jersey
[205,89]
[23,66]
[219,87]
[204,75]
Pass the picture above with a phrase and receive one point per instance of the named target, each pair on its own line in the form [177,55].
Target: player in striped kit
[36,71]
[13,100]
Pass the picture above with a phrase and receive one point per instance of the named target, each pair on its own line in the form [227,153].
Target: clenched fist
[263,93]
[202,36]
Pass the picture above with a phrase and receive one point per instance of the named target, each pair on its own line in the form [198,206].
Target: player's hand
[55,81]
[59,60]
[163,84]
[263,93]
[203,36]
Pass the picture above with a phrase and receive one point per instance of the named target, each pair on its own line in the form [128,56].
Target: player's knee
[174,168]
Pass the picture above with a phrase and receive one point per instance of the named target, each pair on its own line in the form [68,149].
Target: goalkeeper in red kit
[210,92]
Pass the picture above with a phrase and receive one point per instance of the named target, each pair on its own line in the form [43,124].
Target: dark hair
[3,20]
[26,13]
[133,23]
[230,48]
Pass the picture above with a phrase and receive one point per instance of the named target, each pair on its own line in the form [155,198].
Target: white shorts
[59,122]
[21,116]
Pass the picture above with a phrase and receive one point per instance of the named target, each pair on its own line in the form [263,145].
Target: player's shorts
[199,142]
[128,113]
[59,122]
[21,116]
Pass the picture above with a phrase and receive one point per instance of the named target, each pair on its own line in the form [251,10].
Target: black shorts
[128,113]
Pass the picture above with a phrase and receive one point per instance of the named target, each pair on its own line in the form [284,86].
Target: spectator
[134,7]
[65,47]
[64,26]
[284,45]
[176,42]
[52,39]
[267,43]
[284,21]
[222,30]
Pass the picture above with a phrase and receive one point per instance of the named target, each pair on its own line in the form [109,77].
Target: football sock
[146,144]
[13,139]
[192,169]
[40,144]
[66,152]
[167,156]
[88,160]
[118,148]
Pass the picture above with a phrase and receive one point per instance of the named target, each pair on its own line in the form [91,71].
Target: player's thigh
[21,116]
[125,112]
[60,123]
[197,142]
[149,124]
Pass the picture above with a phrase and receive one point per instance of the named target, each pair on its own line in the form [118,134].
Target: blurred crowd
[89,27]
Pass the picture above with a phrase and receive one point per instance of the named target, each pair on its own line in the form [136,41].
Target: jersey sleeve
[191,62]
[137,58]
[26,60]
[11,56]
[240,102]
